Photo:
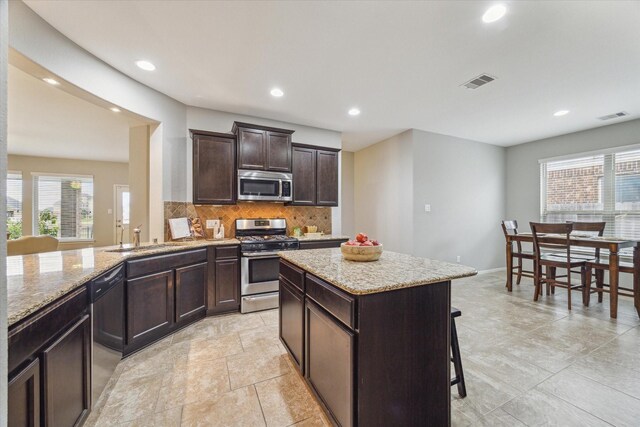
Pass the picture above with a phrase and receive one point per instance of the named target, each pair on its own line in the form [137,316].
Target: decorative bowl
[361,253]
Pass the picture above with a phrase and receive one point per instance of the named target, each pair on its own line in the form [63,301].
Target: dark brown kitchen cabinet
[263,147]
[214,173]
[67,377]
[292,321]
[150,308]
[191,292]
[303,167]
[315,175]
[327,178]
[223,279]
[329,362]
[24,397]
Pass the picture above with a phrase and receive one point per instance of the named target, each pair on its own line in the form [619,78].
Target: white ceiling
[401,63]
[48,122]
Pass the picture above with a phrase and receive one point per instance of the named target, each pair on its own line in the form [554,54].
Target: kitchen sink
[144,247]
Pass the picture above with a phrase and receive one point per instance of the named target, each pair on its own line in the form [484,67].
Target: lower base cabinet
[67,377]
[191,292]
[150,305]
[329,362]
[292,321]
[24,397]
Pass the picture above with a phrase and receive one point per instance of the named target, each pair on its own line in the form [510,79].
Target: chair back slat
[594,228]
[562,232]
[510,226]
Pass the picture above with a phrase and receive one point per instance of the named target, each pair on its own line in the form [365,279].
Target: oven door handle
[260,255]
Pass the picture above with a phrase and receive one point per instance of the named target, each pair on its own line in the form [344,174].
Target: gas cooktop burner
[264,235]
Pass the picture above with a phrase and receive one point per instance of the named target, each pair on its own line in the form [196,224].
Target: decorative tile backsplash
[296,216]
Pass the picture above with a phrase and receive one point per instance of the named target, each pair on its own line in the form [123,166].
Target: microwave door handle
[280,188]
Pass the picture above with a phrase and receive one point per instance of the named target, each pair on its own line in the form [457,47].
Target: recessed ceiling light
[277,92]
[354,112]
[494,13]
[561,113]
[51,81]
[115,109]
[145,65]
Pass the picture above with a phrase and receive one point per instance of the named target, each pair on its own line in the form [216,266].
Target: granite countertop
[392,271]
[33,281]
[323,237]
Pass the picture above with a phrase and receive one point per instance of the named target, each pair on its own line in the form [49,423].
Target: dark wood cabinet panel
[303,164]
[278,152]
[327,178]
[263,147]
[24,397]
[191,291]
[223,279]
[154,264]
[322,244]
[329,363]
[214,173]
[150,308]
[251,149]
[292,321]
[67,377]
[227,281]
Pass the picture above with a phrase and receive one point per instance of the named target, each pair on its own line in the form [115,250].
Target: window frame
[609,211]
[16,172]
[35,216]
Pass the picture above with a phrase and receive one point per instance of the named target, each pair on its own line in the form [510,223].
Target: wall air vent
[478,81]
[614,115]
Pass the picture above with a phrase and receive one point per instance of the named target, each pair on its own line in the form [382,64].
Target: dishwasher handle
[102,284]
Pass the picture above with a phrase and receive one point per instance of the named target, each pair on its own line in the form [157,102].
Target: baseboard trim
[493,270]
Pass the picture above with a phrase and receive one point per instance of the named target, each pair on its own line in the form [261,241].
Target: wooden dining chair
[510,227]
[561,258]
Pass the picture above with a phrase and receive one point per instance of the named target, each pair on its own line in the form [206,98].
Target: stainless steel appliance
[261,240]
[264,186]
[107,332]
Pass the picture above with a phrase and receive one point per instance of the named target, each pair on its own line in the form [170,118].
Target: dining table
[612,244]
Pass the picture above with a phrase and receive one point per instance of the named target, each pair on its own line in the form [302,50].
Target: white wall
[36,39]
[523,169]
[464,181]
[220,121]
[347,200]
[383,192]
[4,23]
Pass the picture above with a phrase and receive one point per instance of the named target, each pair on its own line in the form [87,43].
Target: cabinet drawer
[293,274]
[227,252]
[150,265]
[336,302]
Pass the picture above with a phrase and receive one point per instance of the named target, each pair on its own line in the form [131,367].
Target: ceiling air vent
[478,81]
[614,115]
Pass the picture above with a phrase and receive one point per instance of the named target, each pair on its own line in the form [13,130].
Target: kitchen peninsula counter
[372,339]
[35,280]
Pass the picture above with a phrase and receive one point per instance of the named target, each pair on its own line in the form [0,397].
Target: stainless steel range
[261,240]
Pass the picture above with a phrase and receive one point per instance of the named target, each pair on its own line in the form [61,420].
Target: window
[602,187]
[14,204]
[63,206]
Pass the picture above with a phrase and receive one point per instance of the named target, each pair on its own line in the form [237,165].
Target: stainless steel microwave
[265,186]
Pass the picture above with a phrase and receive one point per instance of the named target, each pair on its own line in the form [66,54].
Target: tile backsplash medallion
[296,216]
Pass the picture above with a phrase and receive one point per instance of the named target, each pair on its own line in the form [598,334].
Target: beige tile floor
[526,363]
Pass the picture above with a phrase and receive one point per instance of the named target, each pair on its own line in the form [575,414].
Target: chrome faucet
[136,236]
[121,236]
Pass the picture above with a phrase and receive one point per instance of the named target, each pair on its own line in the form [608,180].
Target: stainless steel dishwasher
[107,332]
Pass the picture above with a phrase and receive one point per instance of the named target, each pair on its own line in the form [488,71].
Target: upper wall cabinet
[263,147]
[315,176]
[214,173]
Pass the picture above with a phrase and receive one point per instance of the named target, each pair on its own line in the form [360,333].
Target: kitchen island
[372,340]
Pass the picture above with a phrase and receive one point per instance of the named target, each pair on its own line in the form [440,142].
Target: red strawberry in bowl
[361,237]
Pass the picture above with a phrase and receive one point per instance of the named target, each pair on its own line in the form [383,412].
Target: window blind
[602,187]
[14,204]
[63,206]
